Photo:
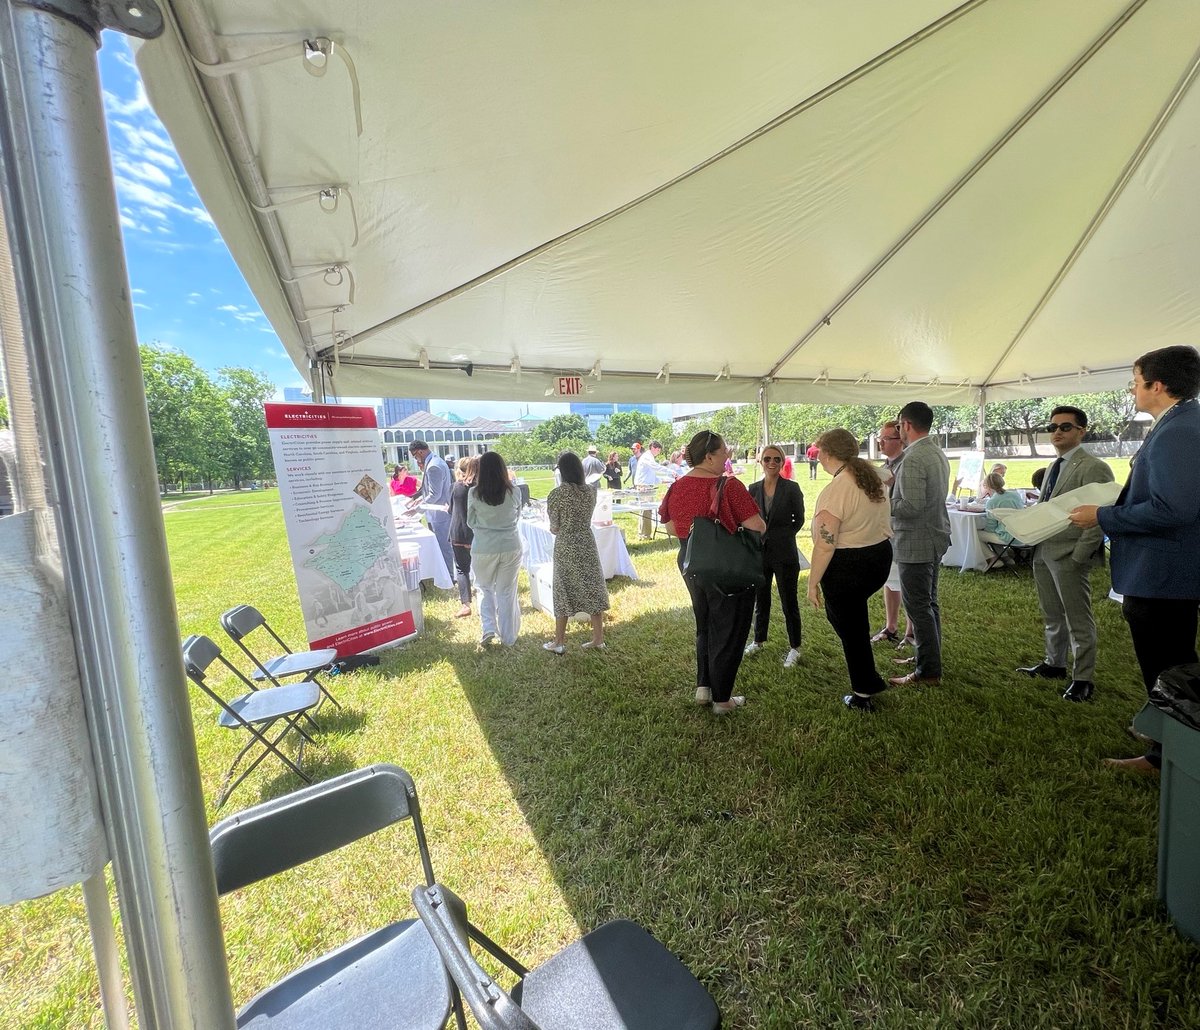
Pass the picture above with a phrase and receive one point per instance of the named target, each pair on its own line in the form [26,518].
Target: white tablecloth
[537,547]
[967,551]
[433,565]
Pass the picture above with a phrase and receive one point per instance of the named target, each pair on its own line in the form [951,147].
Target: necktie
[1051,479]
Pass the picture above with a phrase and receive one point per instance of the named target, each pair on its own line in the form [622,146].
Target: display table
[646,508]
[433,565]
[967,551]
[537,548]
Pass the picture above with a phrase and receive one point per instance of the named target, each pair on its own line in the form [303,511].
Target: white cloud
[137,290]
[243,314]
[192,298]
[144,307]
[143,171]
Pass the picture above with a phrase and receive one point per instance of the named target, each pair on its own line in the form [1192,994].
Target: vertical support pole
[981,423]
[764,415]
[87,387]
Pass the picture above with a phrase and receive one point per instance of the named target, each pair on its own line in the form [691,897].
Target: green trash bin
[1178,817]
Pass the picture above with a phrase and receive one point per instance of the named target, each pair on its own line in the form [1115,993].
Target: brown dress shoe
[1140,765]
[912,680]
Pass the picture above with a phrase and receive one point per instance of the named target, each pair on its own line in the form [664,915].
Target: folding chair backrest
[288,831]
[199,652]
[445,918]
[241,621]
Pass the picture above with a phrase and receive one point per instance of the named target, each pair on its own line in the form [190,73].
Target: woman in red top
[722,620]
[403,484]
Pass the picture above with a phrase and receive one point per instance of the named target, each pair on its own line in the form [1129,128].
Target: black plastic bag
[1177,693]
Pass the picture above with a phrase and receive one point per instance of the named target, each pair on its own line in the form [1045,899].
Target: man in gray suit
[921,531]
[1062,565]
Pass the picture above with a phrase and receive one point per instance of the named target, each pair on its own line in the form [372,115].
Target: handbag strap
[718,493]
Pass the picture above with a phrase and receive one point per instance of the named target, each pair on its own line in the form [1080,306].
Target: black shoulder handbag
[731,562]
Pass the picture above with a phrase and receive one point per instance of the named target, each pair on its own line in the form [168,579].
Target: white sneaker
[554,648]
[793,658]
[752,648]
[703,696]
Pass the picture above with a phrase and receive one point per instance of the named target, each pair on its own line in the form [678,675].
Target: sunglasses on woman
[769,458]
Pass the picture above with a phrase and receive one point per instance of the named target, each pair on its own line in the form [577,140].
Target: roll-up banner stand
[338,513]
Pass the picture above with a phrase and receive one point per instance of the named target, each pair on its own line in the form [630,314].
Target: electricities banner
[338,513]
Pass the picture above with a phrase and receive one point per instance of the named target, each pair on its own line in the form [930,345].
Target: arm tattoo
[828,537]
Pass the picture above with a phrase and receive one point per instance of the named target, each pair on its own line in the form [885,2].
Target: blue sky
[187,291]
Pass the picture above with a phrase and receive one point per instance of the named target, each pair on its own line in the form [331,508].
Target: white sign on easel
[970,472]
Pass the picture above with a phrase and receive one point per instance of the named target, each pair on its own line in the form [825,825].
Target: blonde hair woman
[852,554]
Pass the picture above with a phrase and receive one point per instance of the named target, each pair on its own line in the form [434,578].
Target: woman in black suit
[782,506]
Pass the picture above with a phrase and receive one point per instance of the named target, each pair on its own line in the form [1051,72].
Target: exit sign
[568,386]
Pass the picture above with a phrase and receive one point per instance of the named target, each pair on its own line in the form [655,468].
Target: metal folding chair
[255,711]
[389,979]
[617,977]
[239,622]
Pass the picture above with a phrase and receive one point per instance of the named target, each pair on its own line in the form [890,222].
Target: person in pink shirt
[403,483]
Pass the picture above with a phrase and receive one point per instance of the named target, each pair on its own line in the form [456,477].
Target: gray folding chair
[389,979]
[239,622]
[255,711]
[617,977]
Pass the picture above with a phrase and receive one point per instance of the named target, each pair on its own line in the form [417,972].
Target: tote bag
[730,562]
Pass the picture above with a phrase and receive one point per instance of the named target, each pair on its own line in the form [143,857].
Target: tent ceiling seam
[1106,206]
[805,105]
[955,188]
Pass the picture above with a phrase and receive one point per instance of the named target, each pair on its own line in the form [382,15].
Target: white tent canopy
[686,201]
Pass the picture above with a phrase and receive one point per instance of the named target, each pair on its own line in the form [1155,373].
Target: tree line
[206,429]
[1110,414]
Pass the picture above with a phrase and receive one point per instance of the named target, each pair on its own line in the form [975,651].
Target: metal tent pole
[86,377]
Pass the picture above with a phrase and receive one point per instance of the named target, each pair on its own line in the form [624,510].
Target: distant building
[597,414]
[397,409]
[447,435]
[296,395]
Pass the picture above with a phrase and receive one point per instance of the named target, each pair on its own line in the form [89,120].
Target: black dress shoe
[1046,672]
[858,704]
[1079,690]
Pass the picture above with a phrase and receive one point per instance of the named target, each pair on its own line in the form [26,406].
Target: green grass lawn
[960,858]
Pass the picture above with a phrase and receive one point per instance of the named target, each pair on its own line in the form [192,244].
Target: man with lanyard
[921,530]
[435,489]
[1154,527]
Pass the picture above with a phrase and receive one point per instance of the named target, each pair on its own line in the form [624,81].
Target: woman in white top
[493,511]
[852,553]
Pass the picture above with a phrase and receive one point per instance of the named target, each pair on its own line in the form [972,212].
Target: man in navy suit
[1155,524]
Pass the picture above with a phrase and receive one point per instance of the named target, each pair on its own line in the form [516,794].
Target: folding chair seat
[617,977]
[255,711]
[389,979]
[1006,554]
[239,622]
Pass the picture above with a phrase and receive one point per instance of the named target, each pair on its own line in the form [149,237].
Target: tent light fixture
[469,368]
[316,55]
[423,359]
[515,364]
[595,372]
[935,381]
[723,374]
[1025,378]
[664,374]
[864,378]
[822,377]
[1084,370]
[902,381]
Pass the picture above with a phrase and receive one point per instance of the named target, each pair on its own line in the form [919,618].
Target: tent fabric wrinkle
[821,196]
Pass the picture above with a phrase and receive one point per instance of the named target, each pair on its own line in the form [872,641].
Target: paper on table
[1041,521]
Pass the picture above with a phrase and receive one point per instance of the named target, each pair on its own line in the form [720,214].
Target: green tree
[189,422]
[562,427]
[622,428]
[3,411]
[1025,414]
[1110,413]
[248,448]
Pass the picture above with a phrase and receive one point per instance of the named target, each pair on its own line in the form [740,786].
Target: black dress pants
[854,575]
[1164,635]
[462,572]
[788,578]
[722,623]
